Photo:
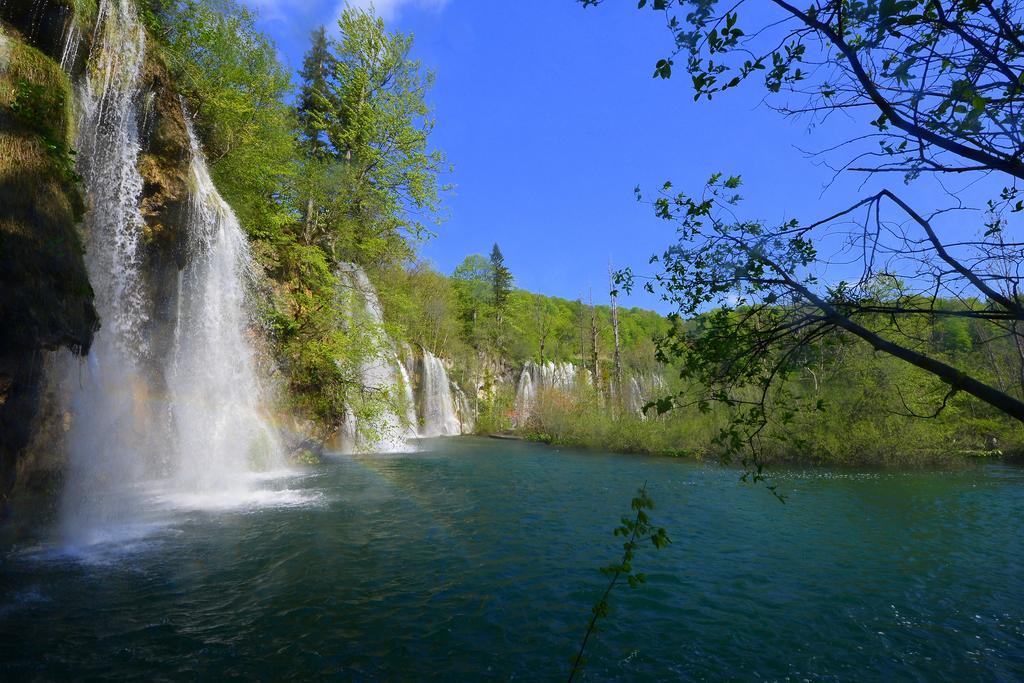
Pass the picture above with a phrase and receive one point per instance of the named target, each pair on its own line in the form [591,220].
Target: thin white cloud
[390,9]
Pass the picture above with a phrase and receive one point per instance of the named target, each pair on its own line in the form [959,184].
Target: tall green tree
[378,125]
[501,279]
[473,284]
[314,98]
[313,109]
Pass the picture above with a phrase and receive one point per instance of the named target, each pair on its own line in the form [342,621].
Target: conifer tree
[314,98]
[502,279]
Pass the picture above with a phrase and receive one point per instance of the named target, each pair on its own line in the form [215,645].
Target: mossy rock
[45,296]
[164,165]
[46,301]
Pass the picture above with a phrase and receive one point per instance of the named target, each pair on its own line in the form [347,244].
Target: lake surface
[478,559]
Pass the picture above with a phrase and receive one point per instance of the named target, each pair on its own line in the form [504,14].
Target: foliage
[542,328]
[314,97]
[869,402]
[40,108]
[501,279]
[237,91]
[366,128]
[942,80]
[637,530]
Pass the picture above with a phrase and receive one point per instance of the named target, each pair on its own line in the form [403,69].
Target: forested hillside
[339,168]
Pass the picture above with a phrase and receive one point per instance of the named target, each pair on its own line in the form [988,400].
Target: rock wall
[45,296]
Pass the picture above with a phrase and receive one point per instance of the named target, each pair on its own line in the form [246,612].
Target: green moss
[85,13]
[50,113]
[45,296]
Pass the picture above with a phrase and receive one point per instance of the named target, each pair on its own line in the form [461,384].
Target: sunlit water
[478,559]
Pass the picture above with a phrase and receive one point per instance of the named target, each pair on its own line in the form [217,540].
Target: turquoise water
[477,559]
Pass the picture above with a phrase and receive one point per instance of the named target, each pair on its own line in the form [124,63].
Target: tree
[313,108]
[373,176]
[617,390]
[314,98]
[943,83]
[235,88]
[501,280]
[543,326]
[473,282]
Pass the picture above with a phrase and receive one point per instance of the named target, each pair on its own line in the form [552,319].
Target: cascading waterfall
[215,398]
[643,389]
[189,422]
[111,430]
[381,371]
[409,399]
[389,373]
[72,43]
[562,377]
[439,414]
[467,410]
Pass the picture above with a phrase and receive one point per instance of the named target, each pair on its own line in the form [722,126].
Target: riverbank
[695,440]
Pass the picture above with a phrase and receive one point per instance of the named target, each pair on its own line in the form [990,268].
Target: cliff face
[46,300]
[45,296]
[164,165]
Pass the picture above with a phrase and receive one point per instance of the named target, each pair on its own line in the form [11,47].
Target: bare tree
[614,295]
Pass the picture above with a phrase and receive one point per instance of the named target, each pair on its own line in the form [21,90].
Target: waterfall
[565,378]
[526,396]
[111,430]
[381,372]
[186,423]
[438,410]
[642,390]
[215,398]
[72,43]
[387,371]
[466,409]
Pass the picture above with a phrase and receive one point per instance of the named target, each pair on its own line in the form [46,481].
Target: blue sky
[550,117]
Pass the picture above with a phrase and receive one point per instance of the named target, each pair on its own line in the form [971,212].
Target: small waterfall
[526,397]
[467,410]
[72,43]
[437,406]
[561,377]
[642,390]
[381,372]
[214,395]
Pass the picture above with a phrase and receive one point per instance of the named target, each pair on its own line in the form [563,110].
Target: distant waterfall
[190,420]
[642,390]
[562,377]
[404,380]
[439,414]
[381,372]
[214,396]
